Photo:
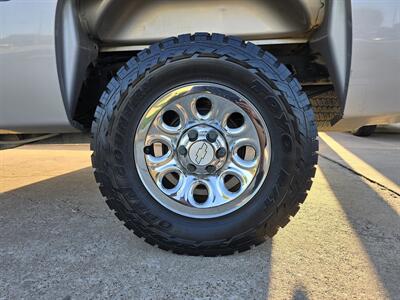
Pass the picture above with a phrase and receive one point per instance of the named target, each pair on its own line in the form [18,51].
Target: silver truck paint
[40,78]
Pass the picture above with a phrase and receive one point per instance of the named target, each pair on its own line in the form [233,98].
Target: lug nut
[182,150]
[210,169]
[191,167]
[212,136]
[221,152]
[147,150]
[193,135]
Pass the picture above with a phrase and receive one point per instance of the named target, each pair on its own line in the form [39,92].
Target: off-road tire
[254,72]
[365,131]
[326,108]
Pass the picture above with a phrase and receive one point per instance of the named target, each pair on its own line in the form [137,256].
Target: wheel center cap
[201,153]
[202,150]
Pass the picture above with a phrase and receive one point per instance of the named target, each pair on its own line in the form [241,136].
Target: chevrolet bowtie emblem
[201,153]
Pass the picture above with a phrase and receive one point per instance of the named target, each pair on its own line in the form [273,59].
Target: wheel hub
[202,150]
[199,149]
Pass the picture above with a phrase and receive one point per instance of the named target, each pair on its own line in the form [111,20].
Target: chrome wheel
[202,150]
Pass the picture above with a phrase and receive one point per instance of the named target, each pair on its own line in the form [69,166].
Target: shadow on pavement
[374,221]
[380,152]
[300,293]
[58,239]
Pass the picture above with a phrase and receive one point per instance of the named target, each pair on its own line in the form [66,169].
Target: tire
[365,131]
[243,67]
[326,108]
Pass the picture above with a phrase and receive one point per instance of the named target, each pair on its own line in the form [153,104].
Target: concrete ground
[58,240]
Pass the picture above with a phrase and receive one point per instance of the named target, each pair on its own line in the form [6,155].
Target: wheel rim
[202,150]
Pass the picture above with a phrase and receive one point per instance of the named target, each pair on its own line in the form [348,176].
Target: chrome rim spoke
[182,194]
[187,109]
[165,132]
[245,160]
[164,166]
[220,110]
[244,174]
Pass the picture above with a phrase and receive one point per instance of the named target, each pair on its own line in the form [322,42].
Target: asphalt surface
[58,240]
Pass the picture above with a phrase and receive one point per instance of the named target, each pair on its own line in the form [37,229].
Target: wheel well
[99,73]
[308,67]
[101,45]
[139,22]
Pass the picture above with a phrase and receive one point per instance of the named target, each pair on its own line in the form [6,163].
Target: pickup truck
[203,114]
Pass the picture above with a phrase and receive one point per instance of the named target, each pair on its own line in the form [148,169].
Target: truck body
[47,49]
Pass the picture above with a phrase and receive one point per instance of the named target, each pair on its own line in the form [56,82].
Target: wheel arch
[80,47]
[333,40]
[75,52]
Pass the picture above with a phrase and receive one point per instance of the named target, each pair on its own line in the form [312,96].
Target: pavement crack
[86,214]
[78,209]
[359,174]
